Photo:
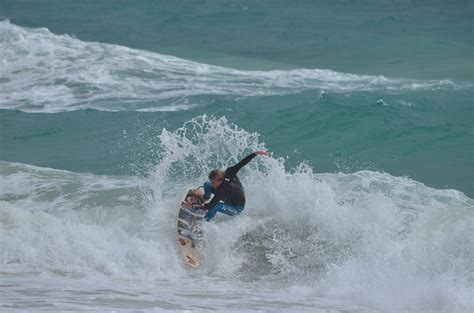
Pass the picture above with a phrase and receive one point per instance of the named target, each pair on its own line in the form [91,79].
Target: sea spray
[368,238]
[359,236]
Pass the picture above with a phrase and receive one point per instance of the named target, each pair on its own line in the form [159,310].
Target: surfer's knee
[212,212]
[207,190]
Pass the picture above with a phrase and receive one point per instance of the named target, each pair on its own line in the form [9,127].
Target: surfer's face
[215,183]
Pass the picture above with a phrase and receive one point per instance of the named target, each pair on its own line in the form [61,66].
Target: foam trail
[80,225]
[45,72]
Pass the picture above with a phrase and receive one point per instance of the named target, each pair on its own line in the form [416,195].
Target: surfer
[229,195]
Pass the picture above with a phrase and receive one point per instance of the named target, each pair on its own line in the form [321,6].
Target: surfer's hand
[261,152]
[198,192]
[187,205]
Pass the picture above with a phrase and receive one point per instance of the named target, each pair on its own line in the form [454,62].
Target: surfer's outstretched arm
[233,170]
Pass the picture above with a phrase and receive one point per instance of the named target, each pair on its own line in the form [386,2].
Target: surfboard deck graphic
[189,234]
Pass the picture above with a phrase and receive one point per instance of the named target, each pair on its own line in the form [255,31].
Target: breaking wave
[45,72]
[366,237]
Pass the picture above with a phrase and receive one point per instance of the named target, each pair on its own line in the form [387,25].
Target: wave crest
[45,72]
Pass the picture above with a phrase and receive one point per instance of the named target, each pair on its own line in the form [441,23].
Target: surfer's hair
[217,174]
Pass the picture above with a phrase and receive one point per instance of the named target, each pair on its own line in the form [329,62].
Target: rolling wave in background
[45,72]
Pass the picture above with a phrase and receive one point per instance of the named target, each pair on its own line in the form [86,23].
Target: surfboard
[189,233]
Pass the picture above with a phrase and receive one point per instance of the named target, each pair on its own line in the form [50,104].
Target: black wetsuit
[230,191]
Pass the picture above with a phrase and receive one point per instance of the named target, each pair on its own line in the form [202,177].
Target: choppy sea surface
[110,110]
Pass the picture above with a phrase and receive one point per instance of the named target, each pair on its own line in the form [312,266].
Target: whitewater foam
[366,238]
[44,72]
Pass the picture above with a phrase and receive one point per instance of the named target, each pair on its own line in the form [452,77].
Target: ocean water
[110,110]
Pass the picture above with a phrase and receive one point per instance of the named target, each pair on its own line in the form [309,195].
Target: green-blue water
[425,134]
[381,90]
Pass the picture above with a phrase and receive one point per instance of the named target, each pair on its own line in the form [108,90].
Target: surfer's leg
[212,212]
[231,209]
[228,209]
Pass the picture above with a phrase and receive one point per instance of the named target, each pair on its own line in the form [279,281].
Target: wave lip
[45,72]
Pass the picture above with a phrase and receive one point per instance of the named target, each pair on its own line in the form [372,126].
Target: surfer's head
[216,177]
